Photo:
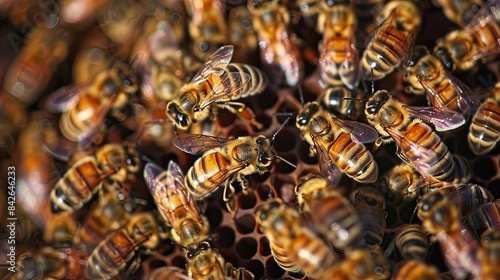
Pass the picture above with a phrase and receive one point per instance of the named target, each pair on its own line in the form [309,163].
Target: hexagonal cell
[257,267]
[247,201]
[246,247]
[285,140]
[245,224]
[284,167]
[226,237]
[273,269]
[214,216]
[264,246]
[267,99]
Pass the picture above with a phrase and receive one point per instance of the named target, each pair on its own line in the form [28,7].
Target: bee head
[176,115]
[307,113]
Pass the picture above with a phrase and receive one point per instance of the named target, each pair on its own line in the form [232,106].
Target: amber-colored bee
[399,180]
[485,216]
[426,73]
[461,49]
[31,71]
[357,265]
[241,32]
[205,263]
[151,223]
[292,243]
[51,263]
[85,177]
[207,27]
[484,131]
[489,254]
[415,270]
[112,254]
[391,43]
[343,101]
[84,109]
[338,144]
[339,59]
[176,204]
[460,12]
[441,218]
[215,86]
[418,144]
[169,273]
[277,48]
[412,243]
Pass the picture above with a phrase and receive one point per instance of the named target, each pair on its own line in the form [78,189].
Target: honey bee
[461,49]
[32,70]
[339,59]
[343,101]
[403,124]
[416,269]
[485,216]
[224,161]
[112,254]
[207,28]
[412,243]
[215,86]
[176,204]
[169,273]
[241,32]
[204,263]
[391,43]
[484,131]
[141,223]
[84,109]
[489,254]
[442,219]
[278,50]
[293,244]
[337,143]
[399,180]
[357,265]
[426,73]
[460,12]
[369,202]
[85,177]
[307,185]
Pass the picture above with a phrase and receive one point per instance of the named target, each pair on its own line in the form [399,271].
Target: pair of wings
[360,133]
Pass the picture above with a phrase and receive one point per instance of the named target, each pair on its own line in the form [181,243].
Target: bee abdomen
[484,131]
[412,242]
[315,265]
[257,83]
[282,258]
[206,174]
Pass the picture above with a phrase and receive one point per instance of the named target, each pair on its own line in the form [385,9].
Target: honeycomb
[236,235]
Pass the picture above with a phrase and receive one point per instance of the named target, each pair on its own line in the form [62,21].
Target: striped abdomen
[417,270]
[423,147]
[353,159]
[385,52]
[412,243]
[336,52]
[484,131]
[282,258]
[77,121]
[485,216]
[77,185]
[311,254]
[206,174]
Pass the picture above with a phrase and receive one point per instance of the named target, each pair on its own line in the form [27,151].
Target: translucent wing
[151,173]
[198,143]
[215,64]
[349,71]
[360,132]
[330,171]
[63,99]
[233,82]
[288,58]
[443,119]
[490,11]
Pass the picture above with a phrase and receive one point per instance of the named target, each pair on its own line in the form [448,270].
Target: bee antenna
[279,129]
[285,160]
[146,158]
[272,191]
[355,99]
[301,96]
[373,82]
[139,201]
[413,214]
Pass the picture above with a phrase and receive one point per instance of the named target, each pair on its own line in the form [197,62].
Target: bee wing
[330,171]
[489,12]
[233,82]
[215,64]
[198,143]
[288,58]
[443,119]
[360,132]
[151,172]
[349,71]
[63,99]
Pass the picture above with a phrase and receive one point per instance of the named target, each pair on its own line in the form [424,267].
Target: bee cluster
[264,139]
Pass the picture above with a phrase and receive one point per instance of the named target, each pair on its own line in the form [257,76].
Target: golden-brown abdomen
[206,174]
[311,254]
[76,121]
[413,270]
[353,159]
[484,131]
[283,259]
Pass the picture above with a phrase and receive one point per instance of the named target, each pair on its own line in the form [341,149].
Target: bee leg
[134,266]
[243,112]
[312,151]
[228,196]
[244,185]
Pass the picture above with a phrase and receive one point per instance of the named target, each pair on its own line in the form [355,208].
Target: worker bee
[484,131]
[485,216]
[461,49]
[337,143]
[278,50]
[460,12]
[369,202]
[31,71]
[391,43]
[489,253]
[339,59]
[205,262]
[112,254]
[416,269]
[357,265]
[442,219]
[207,28]
[403,124]
[399,180]
[169,273]
[292,243]
[176,204]
[412,243]
[241,32]
[224,161]
[84,109]
[307,185]
[343,101]
[152,223]
[214,86]
[85,177]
